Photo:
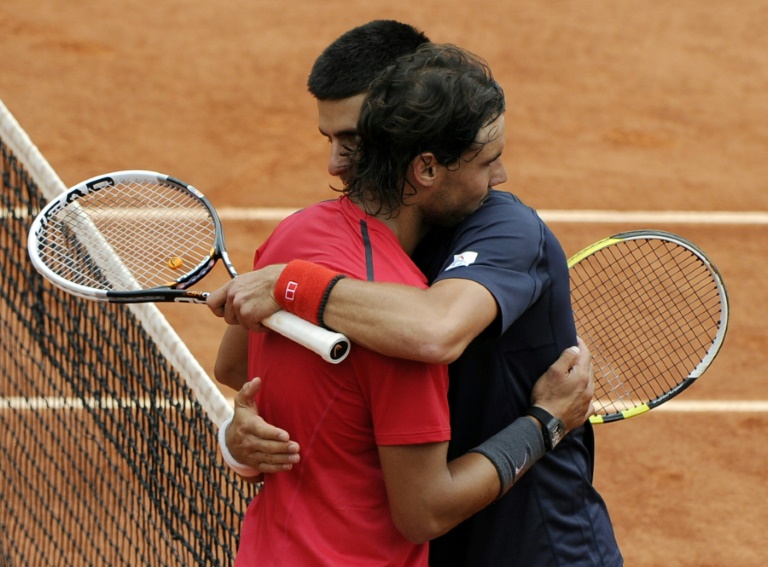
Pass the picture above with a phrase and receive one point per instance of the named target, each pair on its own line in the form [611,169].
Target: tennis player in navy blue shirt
[553,516]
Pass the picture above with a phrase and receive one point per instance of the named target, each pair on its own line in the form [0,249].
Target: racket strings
[665,302]
[159,232]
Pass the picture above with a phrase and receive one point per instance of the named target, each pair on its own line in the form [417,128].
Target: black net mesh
[106,457]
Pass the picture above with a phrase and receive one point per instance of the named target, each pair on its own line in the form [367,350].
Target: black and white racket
[653,311]
[141,236]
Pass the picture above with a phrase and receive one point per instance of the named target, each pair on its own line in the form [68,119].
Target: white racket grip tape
[332,347]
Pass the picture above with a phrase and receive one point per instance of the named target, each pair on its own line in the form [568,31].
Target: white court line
[585,216]
[65,403]
[715,406]
[235,214]
[664,217]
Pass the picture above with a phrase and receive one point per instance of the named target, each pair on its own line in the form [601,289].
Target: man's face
[337,121]
[463,187]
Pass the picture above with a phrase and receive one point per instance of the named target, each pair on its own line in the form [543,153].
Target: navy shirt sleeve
[506,248]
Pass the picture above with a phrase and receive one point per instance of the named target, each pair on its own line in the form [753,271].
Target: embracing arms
[430,325]
[433,325]
[428,495]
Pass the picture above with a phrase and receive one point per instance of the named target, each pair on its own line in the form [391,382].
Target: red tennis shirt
[332,508]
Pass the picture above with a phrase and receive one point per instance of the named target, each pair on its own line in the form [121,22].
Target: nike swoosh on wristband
[521,467]
[463,259]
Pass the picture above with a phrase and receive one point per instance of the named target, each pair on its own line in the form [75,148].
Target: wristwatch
[552,427]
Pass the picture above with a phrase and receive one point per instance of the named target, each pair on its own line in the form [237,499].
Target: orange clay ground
[623,106]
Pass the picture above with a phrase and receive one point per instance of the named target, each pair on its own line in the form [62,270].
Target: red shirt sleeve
[408,400]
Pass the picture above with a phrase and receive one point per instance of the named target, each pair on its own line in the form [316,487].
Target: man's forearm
[391,319]
[430,325]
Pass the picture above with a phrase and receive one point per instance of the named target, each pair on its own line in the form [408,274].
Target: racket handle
[332,347]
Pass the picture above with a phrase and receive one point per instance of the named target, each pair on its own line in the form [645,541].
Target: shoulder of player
[324,218]
[503,214]
[503,207]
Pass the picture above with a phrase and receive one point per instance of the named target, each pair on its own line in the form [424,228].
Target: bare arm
[428,496]
[432,325]
[231,367]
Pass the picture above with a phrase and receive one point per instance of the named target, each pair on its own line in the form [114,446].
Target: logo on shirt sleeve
[463,259]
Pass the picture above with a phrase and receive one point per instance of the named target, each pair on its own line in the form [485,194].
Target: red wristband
[303,289]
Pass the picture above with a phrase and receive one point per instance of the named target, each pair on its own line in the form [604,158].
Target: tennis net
[107,455]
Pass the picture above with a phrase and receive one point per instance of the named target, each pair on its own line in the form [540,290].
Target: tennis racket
[653,311]
[141,236]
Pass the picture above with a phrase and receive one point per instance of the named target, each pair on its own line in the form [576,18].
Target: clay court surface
[612,106]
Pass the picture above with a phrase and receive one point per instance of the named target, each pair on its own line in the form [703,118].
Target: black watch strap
[551,426]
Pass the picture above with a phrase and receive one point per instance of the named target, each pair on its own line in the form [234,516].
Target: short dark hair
[349,64]
[435,100]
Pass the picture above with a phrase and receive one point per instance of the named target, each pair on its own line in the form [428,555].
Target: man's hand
[254,442]
[566,389]
[247,299]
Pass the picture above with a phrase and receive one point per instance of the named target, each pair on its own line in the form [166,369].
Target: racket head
[654,311]
[128,236]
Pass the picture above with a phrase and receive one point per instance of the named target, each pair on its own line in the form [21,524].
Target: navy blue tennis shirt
[553,516]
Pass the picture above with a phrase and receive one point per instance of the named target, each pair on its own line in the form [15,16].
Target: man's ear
[424,168]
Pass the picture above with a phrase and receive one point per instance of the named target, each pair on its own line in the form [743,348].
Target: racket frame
[174,291]
[331,346]
[717,341]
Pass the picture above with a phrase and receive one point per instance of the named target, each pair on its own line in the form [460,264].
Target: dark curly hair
[434,100]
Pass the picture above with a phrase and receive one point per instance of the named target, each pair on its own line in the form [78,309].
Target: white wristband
[239,468]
